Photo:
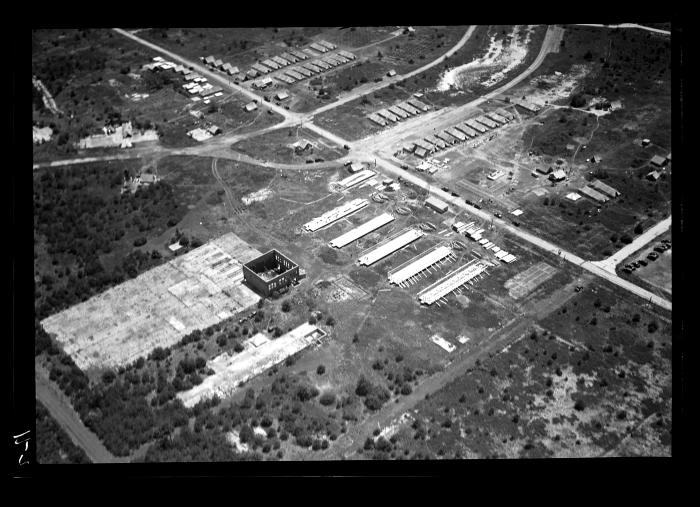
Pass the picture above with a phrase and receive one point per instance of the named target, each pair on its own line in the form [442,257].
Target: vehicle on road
[498,215]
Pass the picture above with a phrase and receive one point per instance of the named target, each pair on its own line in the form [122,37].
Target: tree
[286,306]
[578,100]
[321,369]
[638,229]
[364,386]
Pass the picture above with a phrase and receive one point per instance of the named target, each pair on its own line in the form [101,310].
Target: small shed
[436,204]
[558,175]
[658,161]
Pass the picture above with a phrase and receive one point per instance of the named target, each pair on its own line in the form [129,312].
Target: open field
[402,53]
[240,46]
[277,146]
[541,396]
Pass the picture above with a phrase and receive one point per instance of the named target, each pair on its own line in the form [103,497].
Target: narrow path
[62,411]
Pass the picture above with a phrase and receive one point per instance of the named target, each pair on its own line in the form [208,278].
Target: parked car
[498,215]
[653,256]
[658,249]
[455,194]
[642,262]
[445,189]
[477,206]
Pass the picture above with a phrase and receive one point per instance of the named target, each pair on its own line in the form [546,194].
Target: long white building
[419,263]
[356,178]
[335,214]
[361,230]
[451,282]
[387,248]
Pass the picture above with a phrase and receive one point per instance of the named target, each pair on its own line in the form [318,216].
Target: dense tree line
[80,215]
[190,446]
[57,71]
[117,410]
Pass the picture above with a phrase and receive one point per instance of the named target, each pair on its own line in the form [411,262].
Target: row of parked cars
[652,256]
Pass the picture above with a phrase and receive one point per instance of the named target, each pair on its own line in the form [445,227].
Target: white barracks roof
[335,214]
[390,246]
[362,230]
[356,178]
[451,282]
[420,264]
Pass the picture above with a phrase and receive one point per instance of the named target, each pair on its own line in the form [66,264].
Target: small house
[436,204]
[558,175]
[658,161]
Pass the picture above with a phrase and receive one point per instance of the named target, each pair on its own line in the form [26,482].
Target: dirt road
[387,141]
[61,410]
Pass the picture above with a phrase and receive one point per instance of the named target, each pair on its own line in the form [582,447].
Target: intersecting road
[365,151]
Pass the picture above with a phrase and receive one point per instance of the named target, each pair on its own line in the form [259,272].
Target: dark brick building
[269,272]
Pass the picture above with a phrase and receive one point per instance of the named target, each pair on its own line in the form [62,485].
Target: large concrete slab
[157,308]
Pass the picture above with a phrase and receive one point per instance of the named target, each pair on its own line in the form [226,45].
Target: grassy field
[402,54]
[590,380]
[276,146]
[241,46]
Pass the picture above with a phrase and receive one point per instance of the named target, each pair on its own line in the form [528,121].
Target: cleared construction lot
[157,308]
